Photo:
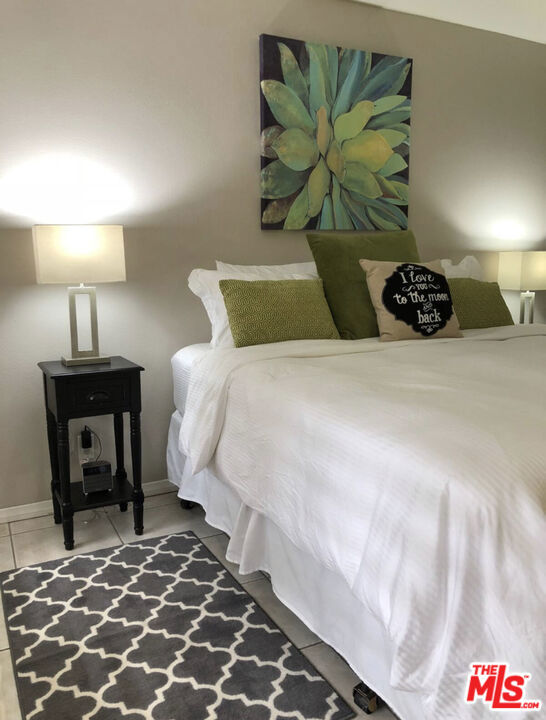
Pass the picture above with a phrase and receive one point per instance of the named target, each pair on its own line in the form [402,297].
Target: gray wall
[166,93]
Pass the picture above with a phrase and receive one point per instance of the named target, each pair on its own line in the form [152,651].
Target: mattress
[398,467]
[182,362]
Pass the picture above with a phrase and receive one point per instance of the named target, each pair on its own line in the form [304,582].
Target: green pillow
[478,304]
[268,311]
[345,287]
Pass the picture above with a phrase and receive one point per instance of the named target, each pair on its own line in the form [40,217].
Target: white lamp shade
[69,254]
[522,270]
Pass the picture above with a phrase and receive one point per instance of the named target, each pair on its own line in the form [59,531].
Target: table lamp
[526,272]
[69,254]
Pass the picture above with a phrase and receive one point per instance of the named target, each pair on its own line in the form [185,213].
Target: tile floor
[37,540]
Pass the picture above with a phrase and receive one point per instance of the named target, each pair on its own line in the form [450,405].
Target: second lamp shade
[522,270]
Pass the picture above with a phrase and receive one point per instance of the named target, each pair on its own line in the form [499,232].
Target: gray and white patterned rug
[154,630]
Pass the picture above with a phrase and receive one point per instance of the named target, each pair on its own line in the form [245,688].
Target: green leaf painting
[335,137]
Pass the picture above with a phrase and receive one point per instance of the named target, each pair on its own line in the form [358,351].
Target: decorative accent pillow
[469,267]
[268,311]
[412,300]
[337,256]
[271,272]
[204,284]
[479,304]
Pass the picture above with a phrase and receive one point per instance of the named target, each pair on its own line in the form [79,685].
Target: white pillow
[204,284]
[271,272]
[469,267]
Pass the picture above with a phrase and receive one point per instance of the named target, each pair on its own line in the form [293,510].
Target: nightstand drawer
[98,396]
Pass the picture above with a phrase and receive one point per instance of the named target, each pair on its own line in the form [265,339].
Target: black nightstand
[84,391]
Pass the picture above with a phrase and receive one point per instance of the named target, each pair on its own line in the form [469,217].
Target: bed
[394,491]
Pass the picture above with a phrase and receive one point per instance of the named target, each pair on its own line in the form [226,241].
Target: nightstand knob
[99,395]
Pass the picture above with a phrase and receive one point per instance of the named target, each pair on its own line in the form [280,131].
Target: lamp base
[83,357]
[526,299]
[84,360]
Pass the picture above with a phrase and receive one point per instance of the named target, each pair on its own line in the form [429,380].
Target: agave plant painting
[335,137]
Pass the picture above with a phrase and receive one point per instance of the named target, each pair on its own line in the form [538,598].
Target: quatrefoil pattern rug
[153,630]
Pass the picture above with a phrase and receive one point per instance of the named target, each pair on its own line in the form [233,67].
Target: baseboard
[158,487]
[43,507]
[25,512]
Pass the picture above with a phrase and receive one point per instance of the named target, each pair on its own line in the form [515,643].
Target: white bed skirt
[318,596]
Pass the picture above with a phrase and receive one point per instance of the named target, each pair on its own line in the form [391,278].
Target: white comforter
[416,470]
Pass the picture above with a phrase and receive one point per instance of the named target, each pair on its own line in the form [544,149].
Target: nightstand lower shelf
[121,493]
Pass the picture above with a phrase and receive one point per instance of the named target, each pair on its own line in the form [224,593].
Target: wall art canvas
[335,137]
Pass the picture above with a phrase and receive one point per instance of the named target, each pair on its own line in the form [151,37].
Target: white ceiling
[520,18]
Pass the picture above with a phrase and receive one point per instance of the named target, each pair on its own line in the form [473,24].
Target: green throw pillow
[345,287]
[268,311]
[478,304]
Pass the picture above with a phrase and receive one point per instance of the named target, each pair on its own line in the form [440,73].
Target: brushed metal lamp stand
[69,254]
[83,357]
[526,299]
